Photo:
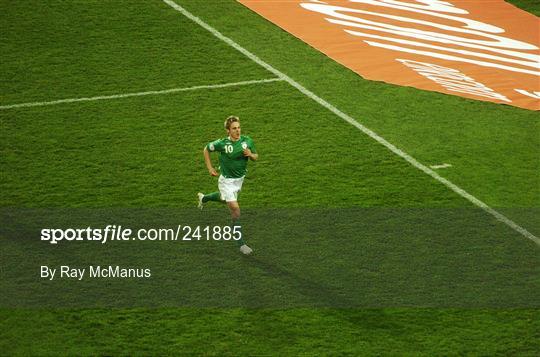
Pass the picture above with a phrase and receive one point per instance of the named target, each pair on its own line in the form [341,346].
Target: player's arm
[252,156]
[208,162]
[250,151]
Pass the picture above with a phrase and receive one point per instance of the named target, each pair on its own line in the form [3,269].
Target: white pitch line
[442,166]
[138,94]
[356,124]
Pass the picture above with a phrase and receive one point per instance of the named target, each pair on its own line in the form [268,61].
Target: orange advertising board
[483,50]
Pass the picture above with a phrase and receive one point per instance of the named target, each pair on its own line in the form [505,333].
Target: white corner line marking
[139,94]
[442,166]
[356,124]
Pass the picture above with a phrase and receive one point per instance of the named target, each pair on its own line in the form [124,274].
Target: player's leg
[229,189]
[234,208]
[214,196]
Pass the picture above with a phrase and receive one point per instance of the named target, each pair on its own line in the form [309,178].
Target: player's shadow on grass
[315,293]
[318,296]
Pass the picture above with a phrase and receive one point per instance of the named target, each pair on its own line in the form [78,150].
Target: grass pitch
[391,281]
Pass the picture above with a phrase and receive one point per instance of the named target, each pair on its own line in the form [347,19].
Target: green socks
[214,196]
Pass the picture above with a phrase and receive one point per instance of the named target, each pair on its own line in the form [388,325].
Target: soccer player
[234,153]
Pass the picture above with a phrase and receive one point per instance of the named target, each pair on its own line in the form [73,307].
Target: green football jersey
[232,162]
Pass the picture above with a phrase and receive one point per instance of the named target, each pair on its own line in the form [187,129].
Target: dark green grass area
[402,241]
[419,332]
[341,257]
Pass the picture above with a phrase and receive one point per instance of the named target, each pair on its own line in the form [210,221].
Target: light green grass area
[360,244]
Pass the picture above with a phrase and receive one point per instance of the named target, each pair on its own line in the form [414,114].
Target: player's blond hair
[231,119]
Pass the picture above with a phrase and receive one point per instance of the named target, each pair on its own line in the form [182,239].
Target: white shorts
[229,188]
